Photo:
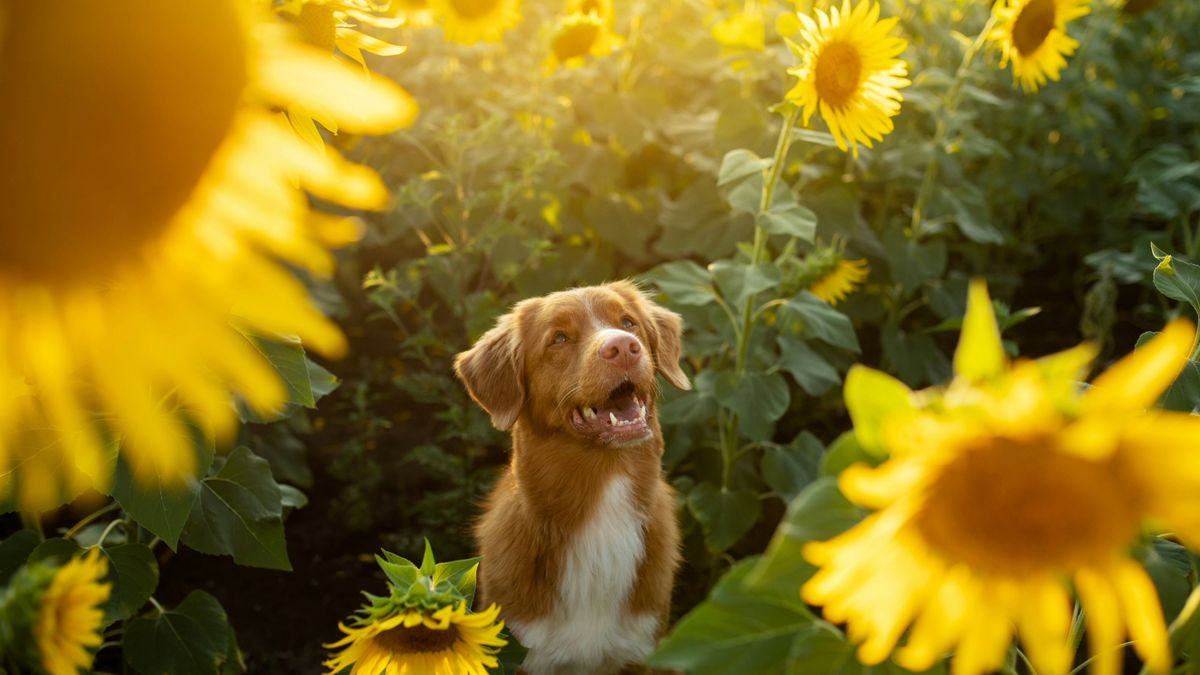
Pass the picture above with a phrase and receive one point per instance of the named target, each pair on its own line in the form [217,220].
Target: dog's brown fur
[529,383]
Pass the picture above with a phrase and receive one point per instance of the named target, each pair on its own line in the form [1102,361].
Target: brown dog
[579,539]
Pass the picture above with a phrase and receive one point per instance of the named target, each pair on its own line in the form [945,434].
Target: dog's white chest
[589,631]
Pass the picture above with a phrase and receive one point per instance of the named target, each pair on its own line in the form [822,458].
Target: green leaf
[914,357]
[240,513]
[1169,567]
[1184,393]
[14,551]
[133,573]
[320,380]
[788,469]
[1177,279]
[738,629]
[459,573]
[823,321]
[725,515]
[789,218]
[872,397]
[740,164]
[813,373]
[821,648]
[193,638]
[913,263]
[844,451]
[427,561]
[57,549]
[819,513]
[162,509]
[969,208]
[738,280]
[759,399]
[684,282]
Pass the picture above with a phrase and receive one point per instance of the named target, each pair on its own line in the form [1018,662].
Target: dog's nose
[621,349]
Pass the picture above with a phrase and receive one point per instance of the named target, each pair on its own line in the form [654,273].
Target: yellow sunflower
[1033,35]
[149,224]
[448,641]
[71,615]
[1004,490]
[849,71]
[330,25]
[470,21]
[841,281]
[577,36]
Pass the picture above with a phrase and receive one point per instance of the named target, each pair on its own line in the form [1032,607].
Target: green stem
[729,426]
[760,235]
[90,518]
[33,523]
[107,530]
[943,127]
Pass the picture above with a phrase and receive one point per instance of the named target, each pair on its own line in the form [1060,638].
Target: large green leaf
[819,513]
[14,551]
[914,357]
[823,321]
[740,164]
[786,217]
[240,513]
[738,629]
[725,515]
[1169,567]
[738,280]
[913,263]
[813,373]
[788,469]
[1177,279]
[684,282]
[759,399]
[162,509]
[193,638]
[821,648]
[133,573]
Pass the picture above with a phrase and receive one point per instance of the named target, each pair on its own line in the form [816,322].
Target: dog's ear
[666,340]
[494,372]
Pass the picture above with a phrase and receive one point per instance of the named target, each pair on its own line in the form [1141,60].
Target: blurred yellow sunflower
[1004,489]
[470,21]
[742,31]
[448,641]
[849,71]
[149,224]
[601,8]
[330,25]
[577,36]
[1032,34]
[841,281]
[71,615]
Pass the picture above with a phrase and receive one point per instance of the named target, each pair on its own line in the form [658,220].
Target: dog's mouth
[621,419]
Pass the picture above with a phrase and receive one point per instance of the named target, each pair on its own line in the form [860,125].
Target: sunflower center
[473,9]
[1012,507]
[112,111]
[318,26]
[1032,26]
[575,40]
[418,639]
[839,68]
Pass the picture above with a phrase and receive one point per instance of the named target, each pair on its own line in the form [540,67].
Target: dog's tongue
[620,408]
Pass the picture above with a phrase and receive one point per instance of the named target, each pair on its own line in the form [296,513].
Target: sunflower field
[938,264]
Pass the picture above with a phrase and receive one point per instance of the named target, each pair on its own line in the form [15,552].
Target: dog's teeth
[642,412]
[588,413]
[612,418]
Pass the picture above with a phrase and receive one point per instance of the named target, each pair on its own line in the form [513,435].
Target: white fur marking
[589,630]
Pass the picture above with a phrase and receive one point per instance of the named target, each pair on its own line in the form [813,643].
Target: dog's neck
[562,476]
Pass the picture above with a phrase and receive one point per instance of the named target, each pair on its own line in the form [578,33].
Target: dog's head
[580,361]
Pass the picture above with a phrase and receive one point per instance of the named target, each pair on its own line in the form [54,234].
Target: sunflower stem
[729,435]
[89,518]
[942,128]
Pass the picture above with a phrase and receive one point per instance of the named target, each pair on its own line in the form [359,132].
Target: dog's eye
[628,323]
[560,337]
